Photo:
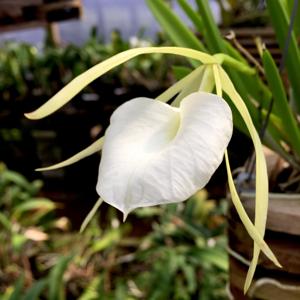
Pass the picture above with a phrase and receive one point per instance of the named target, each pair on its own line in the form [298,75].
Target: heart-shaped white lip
[156,154]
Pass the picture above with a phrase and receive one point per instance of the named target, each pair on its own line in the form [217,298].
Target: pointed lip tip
[125,215]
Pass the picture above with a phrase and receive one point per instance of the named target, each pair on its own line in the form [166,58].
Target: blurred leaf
[214,256]
[280,22]
[18,240]
[36,290]
[109,239]
[40,206]
[5,222]
[211,33]
[290,5]
[91,292]
[180,72]
[190,276]
[192,14]
[17,290]
[55,281]
[174,27]
[281,105]
[13,177]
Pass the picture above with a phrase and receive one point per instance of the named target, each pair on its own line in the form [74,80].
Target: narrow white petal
[155,154]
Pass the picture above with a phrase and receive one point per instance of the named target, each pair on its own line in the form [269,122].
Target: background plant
[179,249]
[28,71]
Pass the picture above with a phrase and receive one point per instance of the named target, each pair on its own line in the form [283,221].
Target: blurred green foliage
[173,252]
[27,71]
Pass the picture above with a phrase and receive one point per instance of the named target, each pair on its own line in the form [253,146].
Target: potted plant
[125,133]
[276,117]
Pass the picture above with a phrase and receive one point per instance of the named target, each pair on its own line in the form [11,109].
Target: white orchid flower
[156,153]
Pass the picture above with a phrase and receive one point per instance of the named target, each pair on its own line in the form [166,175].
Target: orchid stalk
[155,153]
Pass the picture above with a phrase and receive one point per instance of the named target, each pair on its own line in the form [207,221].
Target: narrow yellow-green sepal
[81,81]
[191,86]
[252,231]
[90,215]
[255,232]
[207,82]
[179,85]
[261,201]
[95,147]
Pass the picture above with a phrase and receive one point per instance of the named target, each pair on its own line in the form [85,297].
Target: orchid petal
[93,148]
[81,81]
[157,154]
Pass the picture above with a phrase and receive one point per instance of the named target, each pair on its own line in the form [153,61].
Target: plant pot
[283,237]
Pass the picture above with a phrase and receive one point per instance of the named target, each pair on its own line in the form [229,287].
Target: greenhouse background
[130,17]
[59,240]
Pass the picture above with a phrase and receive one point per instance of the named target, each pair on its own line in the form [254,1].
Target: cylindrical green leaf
[281,106]
[280,21]
[178,32]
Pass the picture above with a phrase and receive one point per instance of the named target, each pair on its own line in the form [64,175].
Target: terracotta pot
[282,235]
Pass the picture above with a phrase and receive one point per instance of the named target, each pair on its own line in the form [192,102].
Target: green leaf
[216,257]
[193,16]
[178,32]
[16,178]
[17,291]
[211,33]
[35,291]
[290,5]
[280,21]
[55,280]
[109,239]
[5,222]
[17,241]
[190,275]
[91,292]
[281,106]
[38,204]
[180,71]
